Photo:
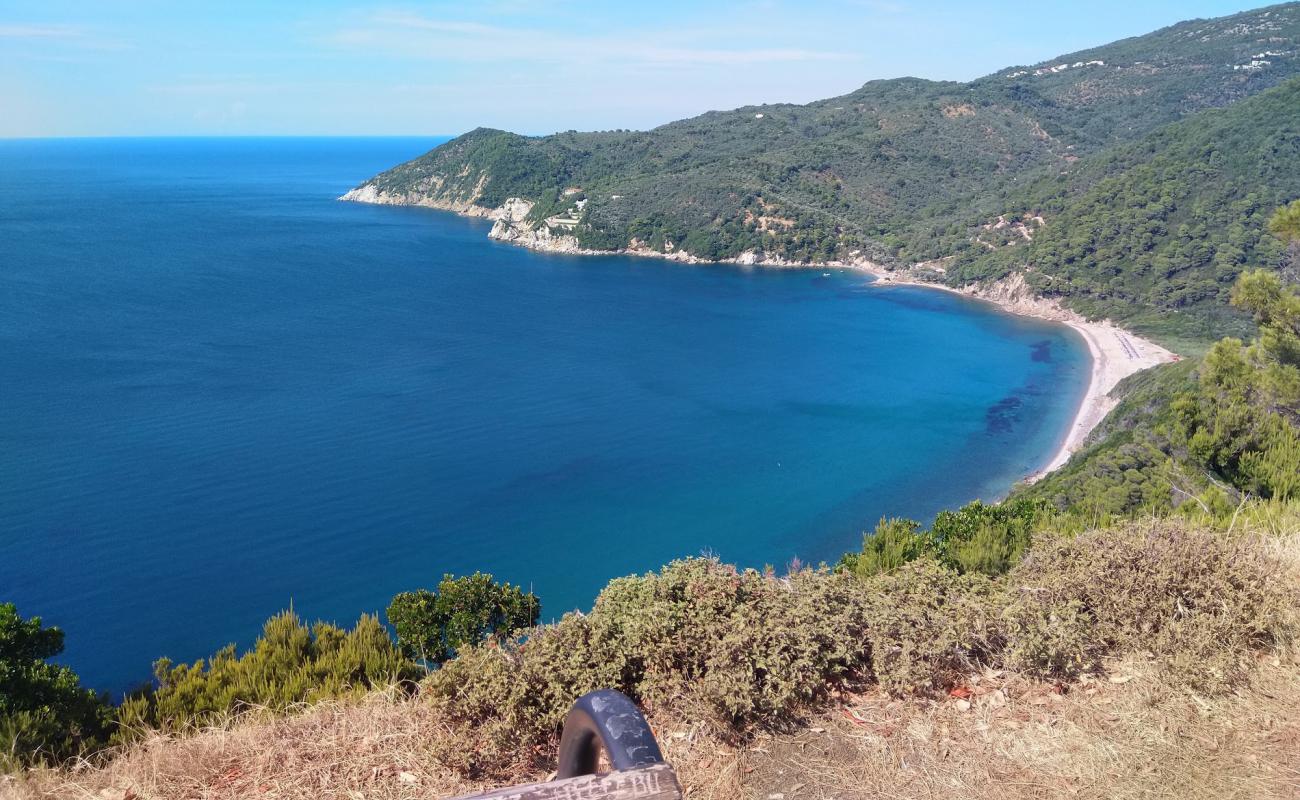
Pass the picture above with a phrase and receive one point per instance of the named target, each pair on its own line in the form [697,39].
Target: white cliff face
[759,258]
[540,238]
[369,193]
[365,193]
[513,212]
[1013,293]
[512,226]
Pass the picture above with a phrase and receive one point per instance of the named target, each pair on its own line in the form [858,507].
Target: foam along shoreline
[1115,352]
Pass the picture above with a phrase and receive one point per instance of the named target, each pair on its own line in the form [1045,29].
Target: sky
[238,67]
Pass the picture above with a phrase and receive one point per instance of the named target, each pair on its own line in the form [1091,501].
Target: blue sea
[223,392]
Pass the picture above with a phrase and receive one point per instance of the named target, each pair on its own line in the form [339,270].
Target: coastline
[1114,352]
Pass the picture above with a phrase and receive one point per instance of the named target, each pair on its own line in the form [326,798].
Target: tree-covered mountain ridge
[957,177]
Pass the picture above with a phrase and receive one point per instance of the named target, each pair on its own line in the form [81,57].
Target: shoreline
[1114,352]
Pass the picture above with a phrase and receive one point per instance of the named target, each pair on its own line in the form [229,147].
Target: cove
[222,392]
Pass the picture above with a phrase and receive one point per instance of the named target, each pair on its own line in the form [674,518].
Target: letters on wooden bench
[647,783]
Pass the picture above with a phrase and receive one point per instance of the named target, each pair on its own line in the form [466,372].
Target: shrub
[928,625]
[986,538]
[45,713]
[1051,637]
[734,649]
[290,663]
[741,650]
[977,537]
[432,626]
[892,544]
[1198,601]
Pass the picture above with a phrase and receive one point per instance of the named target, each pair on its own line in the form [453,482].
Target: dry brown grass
[375,748]
[1120,735]
[1016,739]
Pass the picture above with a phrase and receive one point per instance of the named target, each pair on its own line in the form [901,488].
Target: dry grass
[1016,739]
[1121,735]
[375,748]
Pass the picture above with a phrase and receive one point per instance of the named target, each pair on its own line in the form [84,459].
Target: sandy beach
[1116,353]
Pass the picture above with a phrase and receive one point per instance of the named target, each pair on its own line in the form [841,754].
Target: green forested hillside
[1134,209]
[1156,78]
[1158,229]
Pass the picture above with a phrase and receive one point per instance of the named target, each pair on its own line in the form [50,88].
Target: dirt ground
[1123,735]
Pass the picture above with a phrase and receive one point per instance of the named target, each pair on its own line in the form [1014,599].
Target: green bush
[1242,421]
[928,625]
[45,713]
[432,626]
[290,663]
[979,538]
[892,544]
[1285,222]
[984,538]
[733,649]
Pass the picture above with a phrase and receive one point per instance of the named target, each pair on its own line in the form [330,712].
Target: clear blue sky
[146,67]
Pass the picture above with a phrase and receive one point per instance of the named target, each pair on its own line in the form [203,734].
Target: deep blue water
[222,392]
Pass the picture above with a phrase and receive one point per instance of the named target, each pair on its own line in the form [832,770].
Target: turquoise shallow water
[222,391]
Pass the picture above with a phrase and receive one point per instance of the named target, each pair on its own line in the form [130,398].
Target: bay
[223,392]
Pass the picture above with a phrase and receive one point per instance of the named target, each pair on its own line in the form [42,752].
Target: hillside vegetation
[741,665]
[1154,233]
[1075,153]
[1205,434]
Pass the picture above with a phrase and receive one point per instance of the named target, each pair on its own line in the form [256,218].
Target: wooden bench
[606,722]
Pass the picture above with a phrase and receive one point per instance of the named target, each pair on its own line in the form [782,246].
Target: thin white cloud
[416,21]
[881,6]
[8,31]
[415,36]
[205,88]
[39,38]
